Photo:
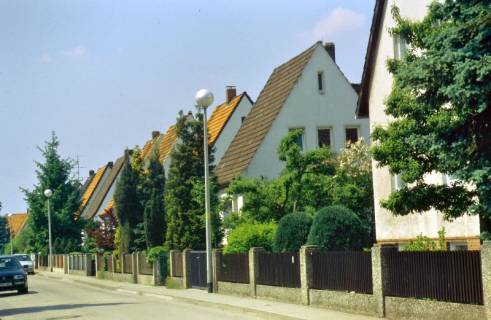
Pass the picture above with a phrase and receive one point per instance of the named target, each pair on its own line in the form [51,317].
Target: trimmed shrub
[249,235]
[337,228]
[154,253]
[293,231]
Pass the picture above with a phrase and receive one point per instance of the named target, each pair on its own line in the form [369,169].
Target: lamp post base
[210,287]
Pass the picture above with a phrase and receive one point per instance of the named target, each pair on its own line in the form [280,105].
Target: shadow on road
[12,293]
[16,311]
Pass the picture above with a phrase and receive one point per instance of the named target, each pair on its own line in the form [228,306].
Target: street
[57,299]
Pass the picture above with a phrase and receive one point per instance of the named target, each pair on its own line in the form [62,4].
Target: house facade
[462,233]
[310,93]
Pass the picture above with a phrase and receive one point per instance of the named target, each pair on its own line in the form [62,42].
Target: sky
[104,74]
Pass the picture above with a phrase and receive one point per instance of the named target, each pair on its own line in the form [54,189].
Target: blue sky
[104,74]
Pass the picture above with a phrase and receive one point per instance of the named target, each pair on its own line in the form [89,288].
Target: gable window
[351,134]
[324,137]
[320,81]
[400,46]
[300,139]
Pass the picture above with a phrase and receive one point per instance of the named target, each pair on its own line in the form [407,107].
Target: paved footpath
[59,296]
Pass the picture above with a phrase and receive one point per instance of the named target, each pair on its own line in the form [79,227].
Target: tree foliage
[4,232]
[293,231]
[105,233]
[440,102]
[54,173]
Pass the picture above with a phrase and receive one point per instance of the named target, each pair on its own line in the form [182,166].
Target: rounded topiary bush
[249,235]
[292,232]
[337,228]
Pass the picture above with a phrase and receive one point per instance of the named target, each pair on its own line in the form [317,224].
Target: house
[310,93]
[375,87]
[16,223]
[92,188]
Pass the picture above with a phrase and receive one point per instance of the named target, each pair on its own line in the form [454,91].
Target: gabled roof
[87,182]
[106,185]
[362,107]
[261,117]
[147,148]
[16,222]
[167,143]
[92,186]
[220,116]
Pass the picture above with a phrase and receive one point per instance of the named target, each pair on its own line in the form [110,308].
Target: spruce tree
[185,208]
[4,233]
[127,204]
[54,173]
[154,213]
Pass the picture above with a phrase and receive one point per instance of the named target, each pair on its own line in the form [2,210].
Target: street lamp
[48,193]
[10,234]
[204,98]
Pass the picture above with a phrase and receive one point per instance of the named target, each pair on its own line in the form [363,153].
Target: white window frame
[399,46]
[304,145]
[331,133]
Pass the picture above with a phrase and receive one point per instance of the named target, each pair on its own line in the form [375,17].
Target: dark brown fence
[233,267]
[109,263]
[279,269]
[143,266]
[127,261]
[342,271]
[57,261]
[77,262]
[43,261]
[453,276]
[176,264]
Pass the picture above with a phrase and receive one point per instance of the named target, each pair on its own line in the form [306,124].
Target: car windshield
[8,263]
[23,257]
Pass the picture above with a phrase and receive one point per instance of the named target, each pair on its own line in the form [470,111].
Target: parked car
[12,275]
[26,262]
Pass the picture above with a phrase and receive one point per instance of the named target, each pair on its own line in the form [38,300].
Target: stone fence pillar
[215,262]
[378,279]
[254,268]
[306,271]
[186,268]
[135,266]
[486,276]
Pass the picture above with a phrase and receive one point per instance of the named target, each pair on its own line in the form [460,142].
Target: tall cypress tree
[127,204]
[185,208]
[54,173]
[154,213]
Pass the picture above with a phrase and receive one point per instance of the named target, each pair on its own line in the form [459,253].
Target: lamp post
[204,98]
[10,234]
[48,193]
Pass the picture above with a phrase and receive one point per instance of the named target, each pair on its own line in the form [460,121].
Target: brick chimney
[91,173]
[331,50]
[230,93]
[155,134]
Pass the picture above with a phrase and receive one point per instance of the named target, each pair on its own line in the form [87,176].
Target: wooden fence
[279,269]
[127,262]
[177,264]
[453,276]
[77,262]
[57,261]
[144,267]
[342,271]
[233,267]
[43,260]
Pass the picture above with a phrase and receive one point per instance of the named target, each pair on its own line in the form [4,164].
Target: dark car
[12,275]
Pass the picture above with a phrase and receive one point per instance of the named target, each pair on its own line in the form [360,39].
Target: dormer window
[320,81]
[400,46]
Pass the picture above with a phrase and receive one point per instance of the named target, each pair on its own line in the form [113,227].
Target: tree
[337,228]
[441,106]
[4,233]
[127,205]
[154,213]
[293,231]
[247,236]
[54,173]
[105,233]
[185,208]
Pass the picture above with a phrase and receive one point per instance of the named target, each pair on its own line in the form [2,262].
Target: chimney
[155,134]
[331,50]
[91,173]
[230,93]
[110,164]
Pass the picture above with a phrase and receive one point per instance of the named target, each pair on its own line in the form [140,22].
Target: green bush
[249,235]
[293,231]
[337,228]
[154,253]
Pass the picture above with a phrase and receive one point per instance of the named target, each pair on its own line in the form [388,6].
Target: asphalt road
[51,299]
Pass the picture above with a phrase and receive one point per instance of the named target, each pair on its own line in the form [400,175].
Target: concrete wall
[292,295]
[344,301]
[145,280]
[238,289]
[122,277]
[307,108]
[389,228]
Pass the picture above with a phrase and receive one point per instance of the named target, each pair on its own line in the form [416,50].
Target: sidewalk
[262,308]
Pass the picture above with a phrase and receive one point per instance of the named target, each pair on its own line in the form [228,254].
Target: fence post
[306,271]
[135,266]
[171,262]
[486,276]
[66,264]
[253,268]
[378,278]
[215,259]
[185,268]
[113,264]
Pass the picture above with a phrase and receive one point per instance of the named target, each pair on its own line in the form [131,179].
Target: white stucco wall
[308,109]
[109,195]
[388,226]
[232,127]
[96,190]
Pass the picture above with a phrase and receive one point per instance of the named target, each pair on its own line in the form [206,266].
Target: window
[320,81]
[300,141]
[397,182]
[400,47]
[351,135]
[242,119]
[324,137]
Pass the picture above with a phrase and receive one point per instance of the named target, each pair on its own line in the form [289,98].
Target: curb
[218,305]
